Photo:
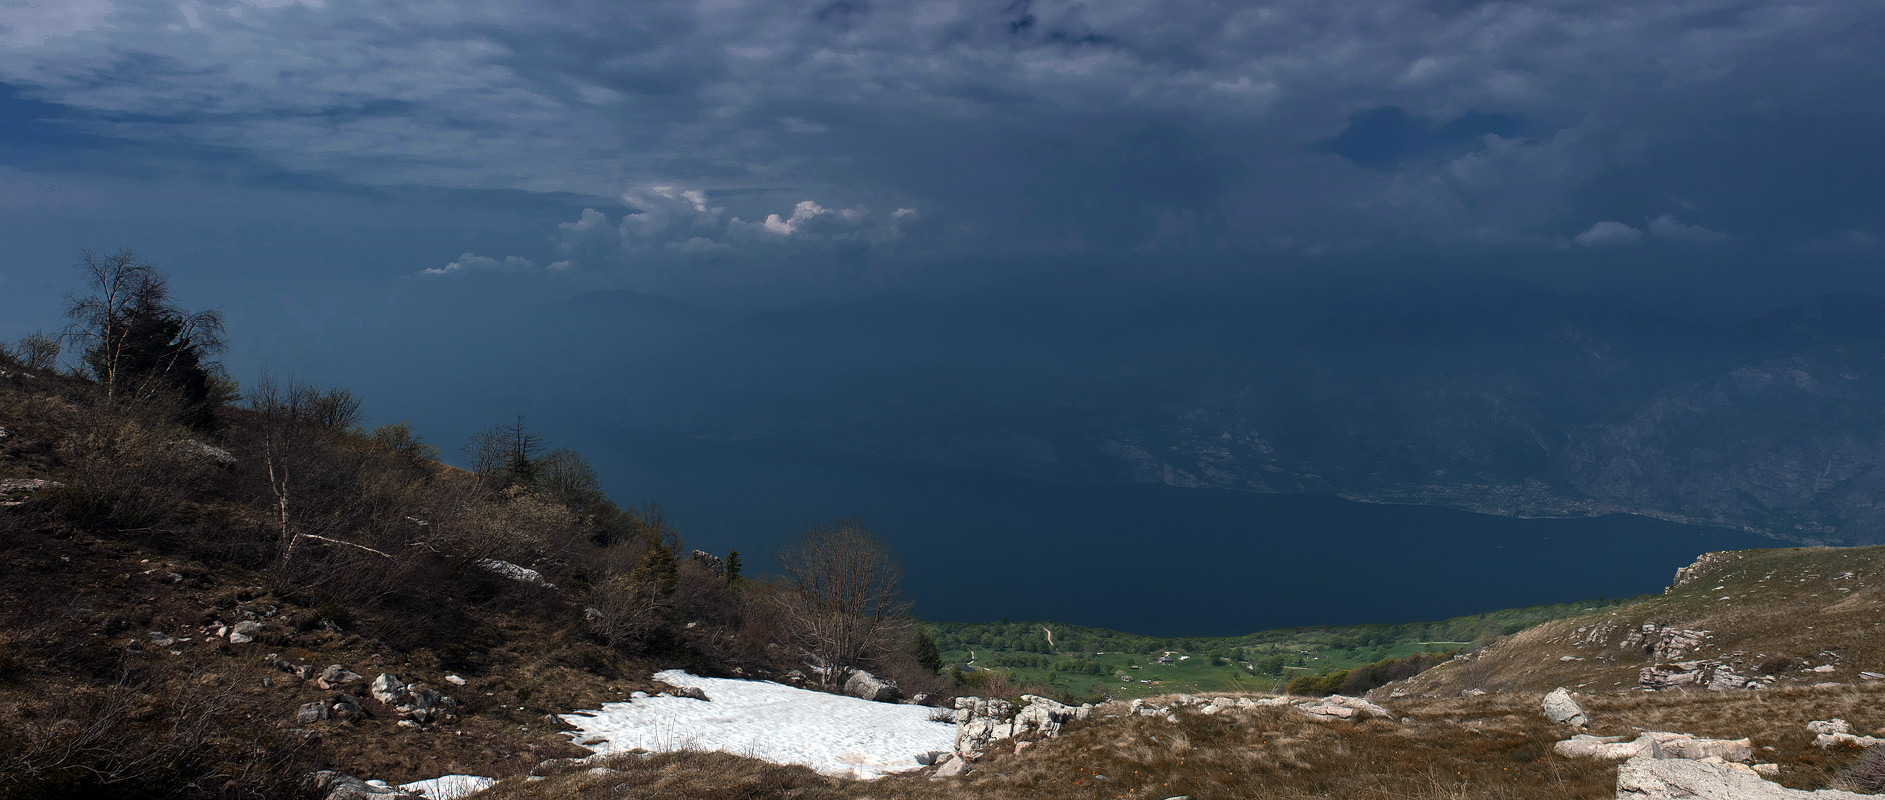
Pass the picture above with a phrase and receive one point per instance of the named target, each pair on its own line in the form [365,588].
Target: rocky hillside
[1749,680]
[1737,621]
[219,611]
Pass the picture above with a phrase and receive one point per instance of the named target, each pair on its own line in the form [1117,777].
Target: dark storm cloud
[715,136]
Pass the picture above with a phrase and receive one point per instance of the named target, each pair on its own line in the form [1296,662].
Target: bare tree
[845,601]
[294,422]
[37,351]
[505,453]
[134,340]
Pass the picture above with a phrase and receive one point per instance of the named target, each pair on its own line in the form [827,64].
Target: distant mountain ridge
[1508,399]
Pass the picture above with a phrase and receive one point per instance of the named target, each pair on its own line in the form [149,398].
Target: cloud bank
[744,129]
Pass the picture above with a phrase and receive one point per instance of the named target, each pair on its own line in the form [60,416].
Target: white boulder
[864,685]
[1561,707]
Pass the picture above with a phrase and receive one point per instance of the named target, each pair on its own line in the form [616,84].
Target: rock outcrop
[1836,732]
[1644,778]
[516,573]
[1655,744]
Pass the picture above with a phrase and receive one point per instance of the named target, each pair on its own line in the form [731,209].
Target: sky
[306,165]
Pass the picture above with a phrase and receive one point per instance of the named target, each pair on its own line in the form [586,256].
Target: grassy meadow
[1091,663]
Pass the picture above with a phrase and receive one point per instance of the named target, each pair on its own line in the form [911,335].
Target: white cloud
[1666,227]
[1609,233]
[472,262]
[659,208]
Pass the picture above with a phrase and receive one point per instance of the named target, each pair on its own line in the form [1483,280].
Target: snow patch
[449,787]
[832,734]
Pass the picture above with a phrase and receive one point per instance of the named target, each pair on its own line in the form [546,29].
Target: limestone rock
[1560,707]
[869,687]
[386,688]
[244,632]
[330,785]
[1698,749]
[709,560]
[1834,725]
[1337,706]
[310,713]
[956,766]
[422,704]
[1043,717]
[1655,779]
[1727,679]
[1669,676]
[1655,744]
[212,454]
[336,676]
[516,573]
[1611,748]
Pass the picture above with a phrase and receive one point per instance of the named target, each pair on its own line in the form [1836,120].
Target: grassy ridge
[1095,661]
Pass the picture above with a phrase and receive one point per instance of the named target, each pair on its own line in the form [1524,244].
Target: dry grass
[1762,607]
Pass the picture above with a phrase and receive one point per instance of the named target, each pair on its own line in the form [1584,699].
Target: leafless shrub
[844,600]
[177,735]
[125,468]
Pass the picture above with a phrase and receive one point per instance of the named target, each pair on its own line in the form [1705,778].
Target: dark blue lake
[1146,559]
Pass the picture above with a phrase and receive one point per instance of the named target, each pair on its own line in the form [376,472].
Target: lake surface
[1146,559]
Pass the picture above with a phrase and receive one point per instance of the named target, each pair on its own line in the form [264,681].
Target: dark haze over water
[1146,559]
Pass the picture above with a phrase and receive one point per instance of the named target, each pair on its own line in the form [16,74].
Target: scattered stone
[1872,676]
[310,713]
[1560,707]
[1836,732]
[386,688]
[455,680]
[956,766]
[244,632]
[1337,706]
[421,704]
[336,676]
